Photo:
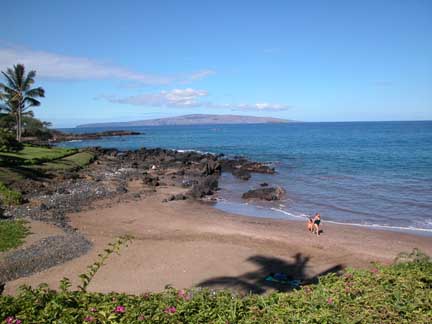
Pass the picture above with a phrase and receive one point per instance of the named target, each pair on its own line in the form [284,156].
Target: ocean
[374,174]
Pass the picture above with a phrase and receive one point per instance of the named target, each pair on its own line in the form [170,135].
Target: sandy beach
[190,244]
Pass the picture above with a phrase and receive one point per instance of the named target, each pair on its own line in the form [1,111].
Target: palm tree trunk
[17,121]
[19,126]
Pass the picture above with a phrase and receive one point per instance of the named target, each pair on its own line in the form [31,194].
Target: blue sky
[302,60]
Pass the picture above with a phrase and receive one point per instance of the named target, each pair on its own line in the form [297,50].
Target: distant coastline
[196,119]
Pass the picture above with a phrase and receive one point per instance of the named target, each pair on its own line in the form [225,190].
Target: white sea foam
[400,228]
[197,151]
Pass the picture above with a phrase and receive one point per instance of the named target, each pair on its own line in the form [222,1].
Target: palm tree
[18,94]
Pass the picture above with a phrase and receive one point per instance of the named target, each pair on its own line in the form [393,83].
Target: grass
[12,234]
[36,162]
[69,163]
[399,293]
[9,175]
[8,196]
[36,154]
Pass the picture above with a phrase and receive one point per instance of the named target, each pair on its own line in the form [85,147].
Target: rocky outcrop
[242,168]
[269,194]
[150,180]
[204,187]
[58,136]
[241,174]
[210,166]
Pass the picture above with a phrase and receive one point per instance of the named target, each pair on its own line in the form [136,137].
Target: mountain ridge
[192,119]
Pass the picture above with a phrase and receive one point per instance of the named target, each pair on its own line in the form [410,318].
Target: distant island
[196,119]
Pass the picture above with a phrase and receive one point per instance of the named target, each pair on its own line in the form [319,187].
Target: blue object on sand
[281,277]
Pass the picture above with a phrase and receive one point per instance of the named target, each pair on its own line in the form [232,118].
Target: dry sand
[187,244]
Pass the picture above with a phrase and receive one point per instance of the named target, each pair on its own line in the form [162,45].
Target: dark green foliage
[34,127]
[8,143]
[400,293]
[12,234]
[7,122]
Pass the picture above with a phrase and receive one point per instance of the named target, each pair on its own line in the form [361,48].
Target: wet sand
[187,244]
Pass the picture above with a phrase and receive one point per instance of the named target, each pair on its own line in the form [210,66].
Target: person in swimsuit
[316,224]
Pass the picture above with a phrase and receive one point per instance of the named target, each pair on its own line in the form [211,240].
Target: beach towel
[283,278]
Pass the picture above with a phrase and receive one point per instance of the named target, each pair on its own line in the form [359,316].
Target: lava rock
[150,180]
[269,194]
[205,186]
[241,174]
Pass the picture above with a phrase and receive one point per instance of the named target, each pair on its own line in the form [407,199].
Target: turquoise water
[368,174]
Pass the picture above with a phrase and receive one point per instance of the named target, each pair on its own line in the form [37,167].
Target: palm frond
[19,72]
[30,102]
[10,79]
[29,113]
[35,92]
[17,94]
[29,80]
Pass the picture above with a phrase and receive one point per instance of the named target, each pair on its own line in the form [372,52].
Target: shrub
[8,143]
[12,234]
[400,293]
[9,196]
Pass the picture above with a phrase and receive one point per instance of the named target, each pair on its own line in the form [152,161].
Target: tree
[18,95]
[8,143]
[33,127]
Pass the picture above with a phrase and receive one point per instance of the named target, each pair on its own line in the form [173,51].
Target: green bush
[9,196]
[400,293]
[12,234]
[8,143]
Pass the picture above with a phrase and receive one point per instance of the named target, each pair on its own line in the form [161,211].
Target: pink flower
[9,320]
[120,309]
[89,319]
[93,310]
[374,270]
[141,318]
[183,294]
[170,310]
[330,301]
[12,320]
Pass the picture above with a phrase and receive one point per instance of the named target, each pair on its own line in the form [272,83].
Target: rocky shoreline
[107,178]
[57,136]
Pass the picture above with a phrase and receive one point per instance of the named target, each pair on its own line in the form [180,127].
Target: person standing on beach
[316,224]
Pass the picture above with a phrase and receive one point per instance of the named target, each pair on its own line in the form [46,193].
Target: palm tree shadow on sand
[255,281]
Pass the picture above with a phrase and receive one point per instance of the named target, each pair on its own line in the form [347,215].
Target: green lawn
[12,234]
[36,154]
[35,162]
[71,162]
